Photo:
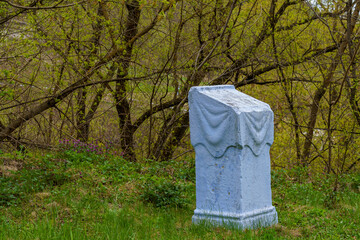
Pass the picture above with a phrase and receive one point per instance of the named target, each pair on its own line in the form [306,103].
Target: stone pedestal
[232,134]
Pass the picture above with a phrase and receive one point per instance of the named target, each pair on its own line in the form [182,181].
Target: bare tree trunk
[121,95]
[352,87]
[179,131]
[83,119]
[80,115]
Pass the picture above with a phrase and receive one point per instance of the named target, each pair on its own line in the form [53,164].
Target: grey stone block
[231,133]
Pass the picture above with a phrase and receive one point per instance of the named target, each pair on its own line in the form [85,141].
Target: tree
[134,62]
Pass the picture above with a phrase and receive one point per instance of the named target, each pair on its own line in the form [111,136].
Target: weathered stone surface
[232,134]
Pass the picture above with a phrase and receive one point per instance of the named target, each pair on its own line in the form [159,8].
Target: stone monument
[232,134]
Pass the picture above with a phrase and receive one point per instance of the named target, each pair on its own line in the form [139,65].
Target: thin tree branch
[40,8]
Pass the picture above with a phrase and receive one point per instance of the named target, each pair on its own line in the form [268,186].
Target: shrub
[162,193]
[10,192]
[29,180]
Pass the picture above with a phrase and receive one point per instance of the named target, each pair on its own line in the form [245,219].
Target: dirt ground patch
[8,166]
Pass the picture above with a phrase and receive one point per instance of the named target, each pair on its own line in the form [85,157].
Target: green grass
[71,195]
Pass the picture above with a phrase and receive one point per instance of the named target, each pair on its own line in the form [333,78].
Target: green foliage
[163,193]
[118,169]
[317,189]
[10,191]
[355,182]
[186,170]
[30,179]
[73,157]
[54,198]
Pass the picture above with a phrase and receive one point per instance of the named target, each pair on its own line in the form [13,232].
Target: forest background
[118,73]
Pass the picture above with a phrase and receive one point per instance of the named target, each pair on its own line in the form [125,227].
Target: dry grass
[9,166]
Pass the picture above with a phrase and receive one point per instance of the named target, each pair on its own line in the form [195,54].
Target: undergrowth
[91,195]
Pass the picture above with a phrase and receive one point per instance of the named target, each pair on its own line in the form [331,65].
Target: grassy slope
[71,195]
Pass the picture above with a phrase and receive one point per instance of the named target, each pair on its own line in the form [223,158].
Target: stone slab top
[222,117]
[228,95]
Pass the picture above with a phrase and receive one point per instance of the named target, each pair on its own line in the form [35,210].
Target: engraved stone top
[222,117]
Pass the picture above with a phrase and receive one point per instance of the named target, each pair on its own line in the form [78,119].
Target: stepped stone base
[250,220]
